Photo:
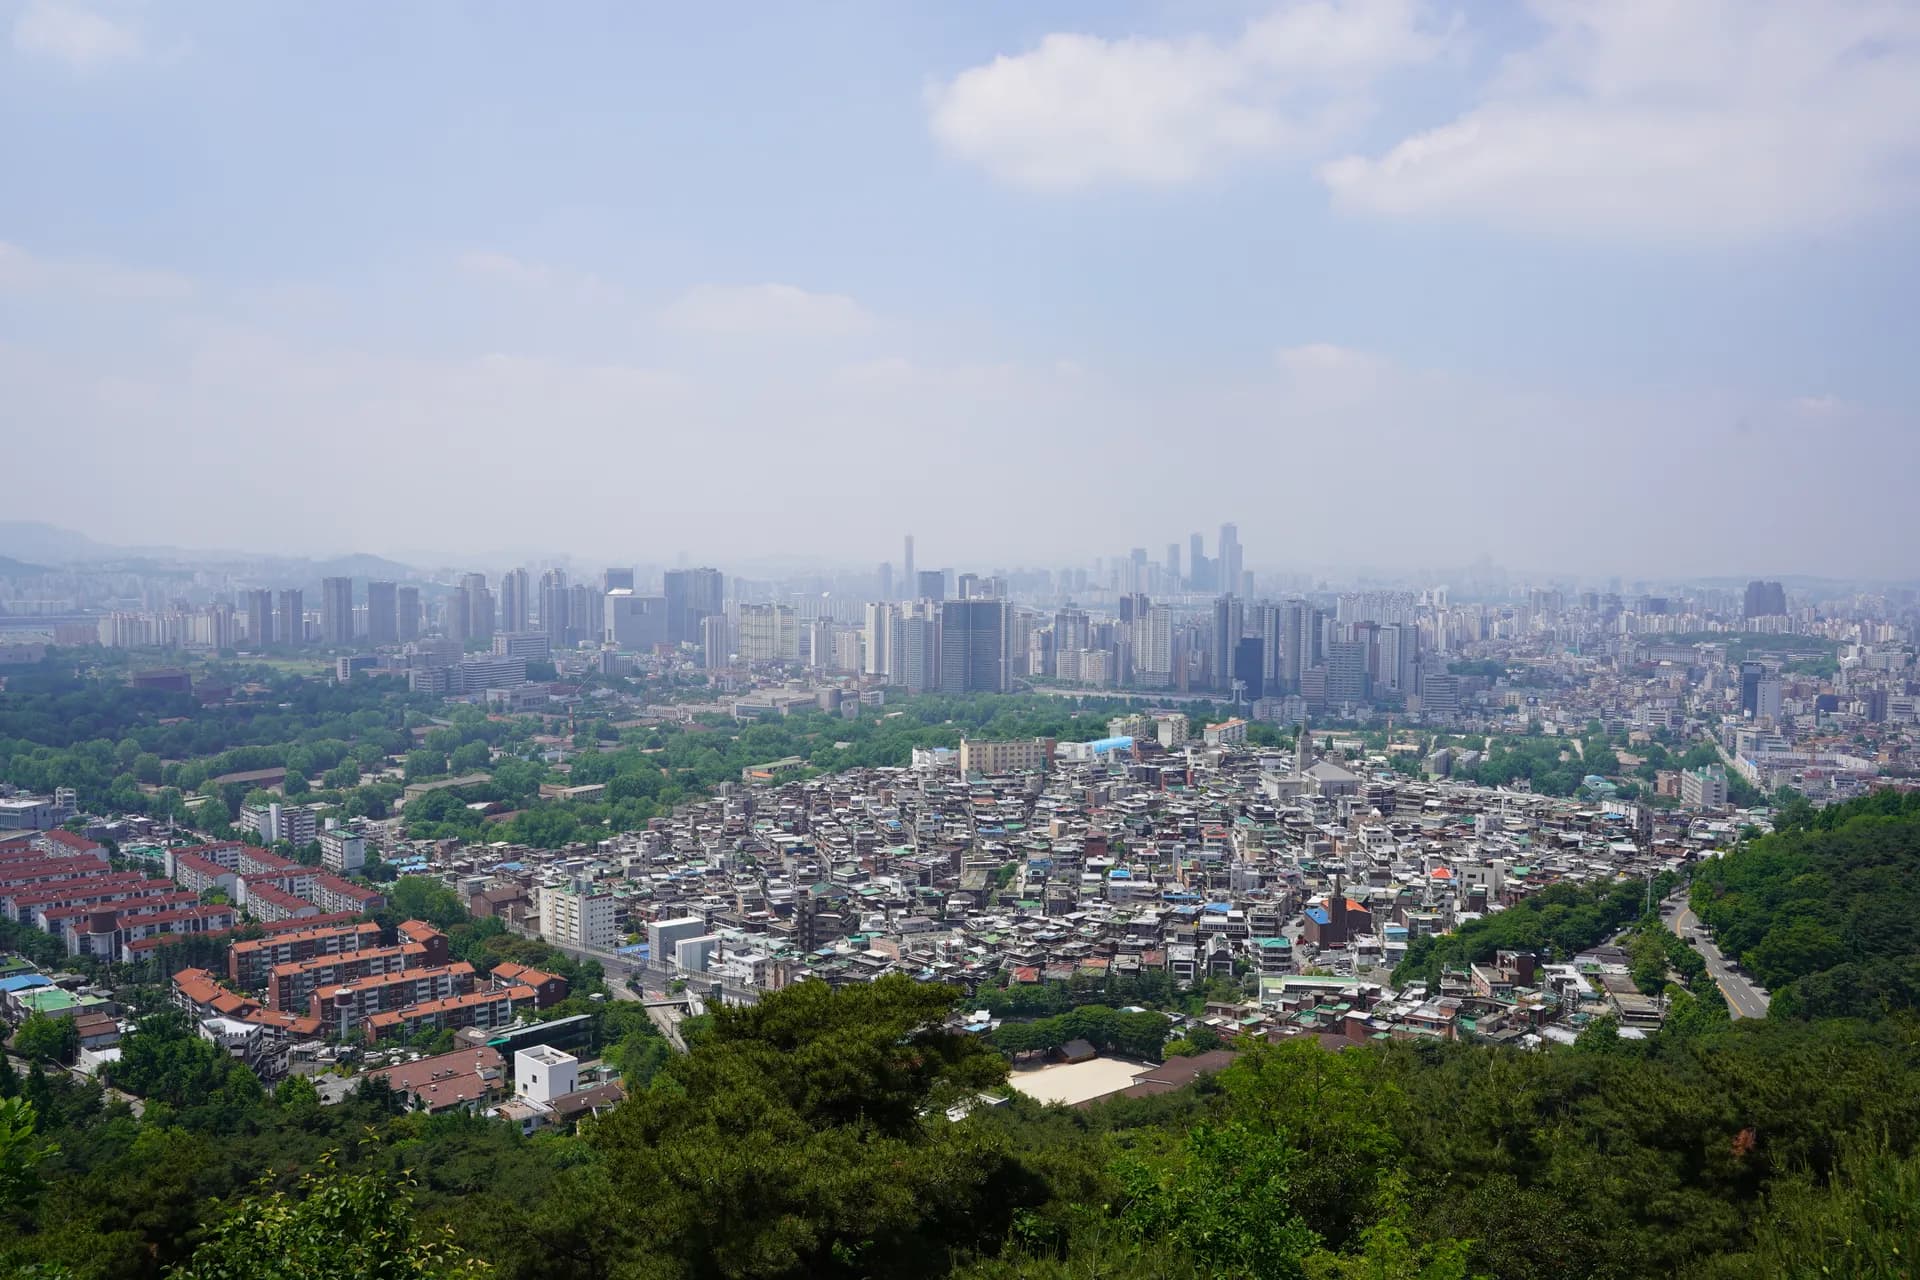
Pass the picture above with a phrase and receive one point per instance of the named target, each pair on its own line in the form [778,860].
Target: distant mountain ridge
[34,545]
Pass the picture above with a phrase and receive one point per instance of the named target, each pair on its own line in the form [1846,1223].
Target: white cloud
[1081,109]
[1325,357]
[502,267]
[82,39]
[1709,120]
[518,273]
[766,310]
[21,271]
[1821,406]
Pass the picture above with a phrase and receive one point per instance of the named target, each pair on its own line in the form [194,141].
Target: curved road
[1744,1000]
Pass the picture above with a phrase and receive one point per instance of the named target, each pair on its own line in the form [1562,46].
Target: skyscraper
[1173,566]
[555,600]
[636,622]
[1196,563]
[586,615]
[1228,579]
[479,607]
[1248,670]
[974,654]
[692,594]
[1765,599]
[930,584]
[1299,640]
[1267,624]
[886,579]
[917,650]
[383,618]
[336,612]
[406,610]
[290,627]
[716,641]
[1229,624]
[456,616]
[880,626]
[1346,672]
[907,579]
[616,580]
[516,605]
[1153,646]
[769,633]
[260,617]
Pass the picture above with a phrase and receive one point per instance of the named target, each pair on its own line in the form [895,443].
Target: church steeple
[1302,750]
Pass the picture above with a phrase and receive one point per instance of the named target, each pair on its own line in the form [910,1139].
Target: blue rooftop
[24,982]
[1319,915]
[1219,908]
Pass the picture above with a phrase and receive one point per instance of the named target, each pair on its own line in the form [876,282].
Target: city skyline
[1323,278]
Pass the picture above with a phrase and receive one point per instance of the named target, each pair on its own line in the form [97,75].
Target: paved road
[1744,1000]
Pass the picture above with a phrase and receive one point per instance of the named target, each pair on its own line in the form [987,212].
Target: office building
[479,607]
[336,612]
[1751,674]
[1769,697]
[406,614]
[530,646]
[1266,622]
[1228,579]
[1197,577]
[692,595]
[1229,624]
[616,580]
[886,579]
[907,580]
[916,654]
[1299,641]
[1765,599]
[1248,672]
[974,639]
[555,600]
[290,623]
[1396,660]
[1439,695]
[259,604]
[716,641]
[931,585]
[456,616]
[639,623]
[1347,672]
[383,613]
[586,615]
[516,604]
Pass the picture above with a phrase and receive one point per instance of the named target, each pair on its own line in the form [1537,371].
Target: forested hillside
[811,1136]
[1826,913]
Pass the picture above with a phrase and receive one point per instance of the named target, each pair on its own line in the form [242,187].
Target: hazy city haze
[1600,288]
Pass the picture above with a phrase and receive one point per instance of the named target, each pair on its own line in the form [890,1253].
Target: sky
[1582,287]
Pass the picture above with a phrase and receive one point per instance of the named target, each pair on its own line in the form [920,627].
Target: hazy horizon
[1594,290]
